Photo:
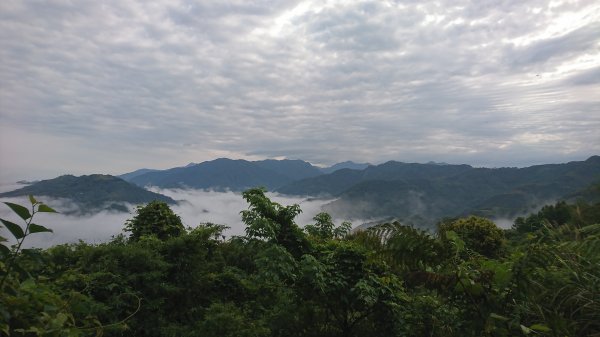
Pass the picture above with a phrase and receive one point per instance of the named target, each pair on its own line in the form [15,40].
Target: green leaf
[525,329]
[46,208]
[33,228]
[20,210]
[498,317]
[4,251]
[32,199]
[15,229]
[453,237]
[540,327]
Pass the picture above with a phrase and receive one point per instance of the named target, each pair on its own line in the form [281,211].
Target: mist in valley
[194,207]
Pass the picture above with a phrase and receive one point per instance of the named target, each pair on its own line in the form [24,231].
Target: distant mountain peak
[130,175]
[593,159]
[230,174]
[345,165]
[436,163]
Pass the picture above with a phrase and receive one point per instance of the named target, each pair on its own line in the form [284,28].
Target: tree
[324,229]
[154,219]
[270,221]
[554,216]
[479,234]
[226,319]
[343,293]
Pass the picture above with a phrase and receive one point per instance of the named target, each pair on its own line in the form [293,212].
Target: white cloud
[196,207]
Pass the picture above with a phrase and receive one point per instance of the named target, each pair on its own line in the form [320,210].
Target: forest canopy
[467,278]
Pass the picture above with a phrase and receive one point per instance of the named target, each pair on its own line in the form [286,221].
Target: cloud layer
[196,207]
[113,86]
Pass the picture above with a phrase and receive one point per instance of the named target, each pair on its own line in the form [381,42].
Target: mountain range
[424,193]
[414,193]
[236,175]
[411,192]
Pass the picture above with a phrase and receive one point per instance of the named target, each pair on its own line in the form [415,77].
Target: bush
[479,234]
[154,219]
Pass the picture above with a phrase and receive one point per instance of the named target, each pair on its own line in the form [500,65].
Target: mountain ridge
[91,193]
[406,191]
[218,174]
[502,192]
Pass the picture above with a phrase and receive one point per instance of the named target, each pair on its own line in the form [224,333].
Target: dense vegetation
[469,278]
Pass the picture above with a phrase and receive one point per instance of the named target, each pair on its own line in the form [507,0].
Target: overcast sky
[112,86]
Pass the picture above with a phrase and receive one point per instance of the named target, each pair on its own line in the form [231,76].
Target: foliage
[154,219]
[548,285]
[277,280]
[407,248]
[559,280]
[561,213]
[324,229]
[268,220]
[29,303]
[479,234]
[351,295]
[228,320]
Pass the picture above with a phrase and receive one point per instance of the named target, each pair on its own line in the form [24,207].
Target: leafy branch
[20,234]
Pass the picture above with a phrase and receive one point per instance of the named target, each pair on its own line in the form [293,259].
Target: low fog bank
[503,223]
[96,228]
[195,207]
[199,206]
[506,222]
[7,187]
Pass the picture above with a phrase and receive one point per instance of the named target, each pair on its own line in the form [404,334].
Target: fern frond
[406,247]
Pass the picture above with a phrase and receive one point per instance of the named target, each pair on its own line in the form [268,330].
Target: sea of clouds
[195,207]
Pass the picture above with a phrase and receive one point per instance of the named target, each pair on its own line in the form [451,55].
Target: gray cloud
[584,78]
[563,47]
[117,85]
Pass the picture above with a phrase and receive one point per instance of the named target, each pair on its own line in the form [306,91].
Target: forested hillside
[228,174]
[466,278]
[419,194]
[91,193]
[423,193]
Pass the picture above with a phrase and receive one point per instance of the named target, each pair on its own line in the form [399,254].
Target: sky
[116,85]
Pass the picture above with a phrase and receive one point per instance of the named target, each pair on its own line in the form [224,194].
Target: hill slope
[130,175]
[345,165]
[91,193]
[229,174]
[423,193]
[339,181]
[292,169]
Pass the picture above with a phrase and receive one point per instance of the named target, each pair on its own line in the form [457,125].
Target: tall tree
[154,219]
[270,221]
